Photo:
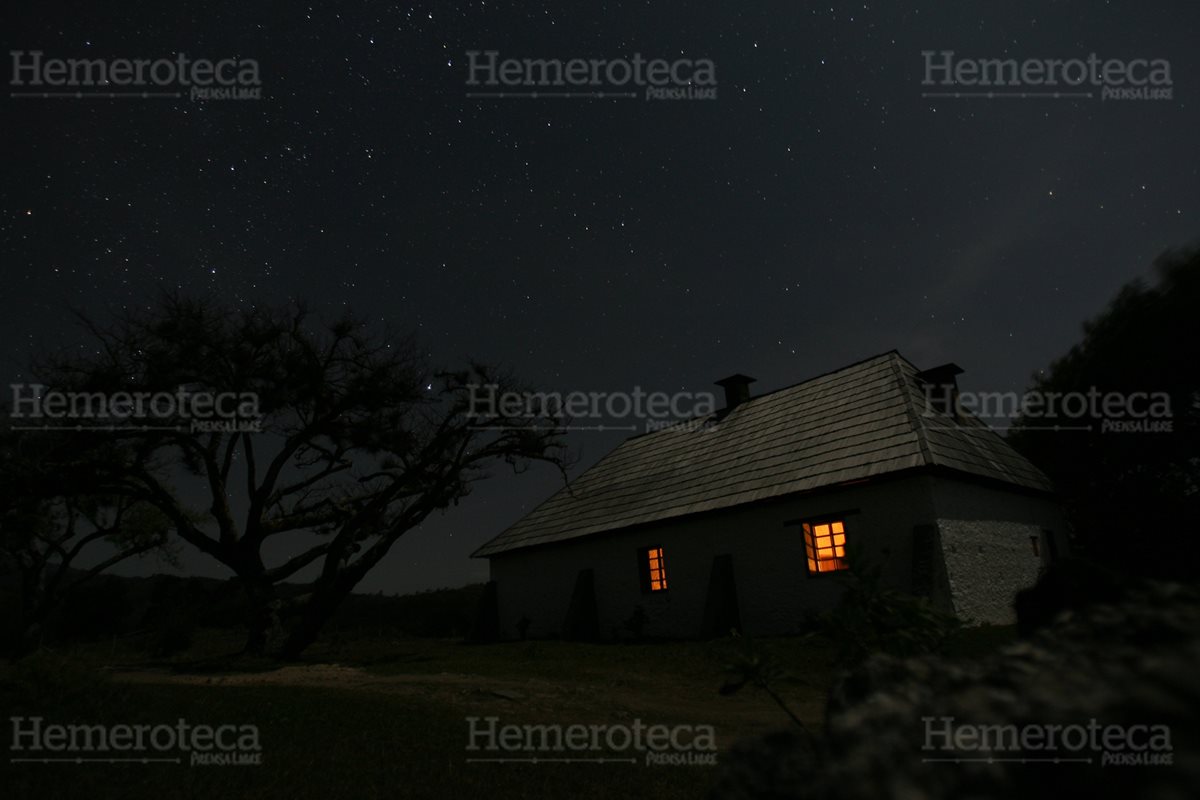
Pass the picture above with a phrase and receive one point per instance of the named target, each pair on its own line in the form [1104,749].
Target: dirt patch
[525,700]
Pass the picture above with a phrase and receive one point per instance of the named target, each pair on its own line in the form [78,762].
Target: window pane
[825,546]
[655,575]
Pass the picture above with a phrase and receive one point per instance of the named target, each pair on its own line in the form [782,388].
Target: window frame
[808,530]
[645,574]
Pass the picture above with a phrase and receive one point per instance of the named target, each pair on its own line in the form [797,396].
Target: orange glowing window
[654,569]
[825,546]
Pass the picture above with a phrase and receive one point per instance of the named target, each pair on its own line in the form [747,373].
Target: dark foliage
[1122,663]
[871,618]
[1133,495]
[1067,585]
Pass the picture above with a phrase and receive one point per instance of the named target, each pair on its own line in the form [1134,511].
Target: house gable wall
[774,590]
[985,535]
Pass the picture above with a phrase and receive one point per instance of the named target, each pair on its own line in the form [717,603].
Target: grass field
[369,717]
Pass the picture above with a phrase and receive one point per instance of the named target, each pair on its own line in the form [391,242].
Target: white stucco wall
[987,563]
[985,536]
[774,590]
[985,558]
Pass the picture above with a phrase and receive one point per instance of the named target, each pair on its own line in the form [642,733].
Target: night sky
[818,211]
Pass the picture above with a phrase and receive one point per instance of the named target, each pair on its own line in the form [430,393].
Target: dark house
[745,519]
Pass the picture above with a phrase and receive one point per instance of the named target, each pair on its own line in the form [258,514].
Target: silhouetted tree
[359,441]
[54,515]
[1133,494]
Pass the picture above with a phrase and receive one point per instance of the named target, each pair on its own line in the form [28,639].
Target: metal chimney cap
[944,373]
[736,379]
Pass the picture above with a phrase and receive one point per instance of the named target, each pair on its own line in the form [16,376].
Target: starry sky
[818,211]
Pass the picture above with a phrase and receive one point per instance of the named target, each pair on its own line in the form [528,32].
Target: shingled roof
[861,421]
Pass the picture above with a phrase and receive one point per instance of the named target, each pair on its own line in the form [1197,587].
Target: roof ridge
[915,419]
[757,397]
[844,425]
[826,374]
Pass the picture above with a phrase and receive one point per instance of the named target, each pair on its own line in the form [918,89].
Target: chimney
[737,390]
[941,388]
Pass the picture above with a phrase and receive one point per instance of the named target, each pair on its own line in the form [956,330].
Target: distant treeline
[170,607]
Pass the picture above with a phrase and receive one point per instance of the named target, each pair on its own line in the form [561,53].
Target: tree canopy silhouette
[1132,489]
[353,440]
[54,515]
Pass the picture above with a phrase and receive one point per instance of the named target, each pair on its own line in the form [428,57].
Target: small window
[1033,542]
[653,569]
[825,546]
[1051,546]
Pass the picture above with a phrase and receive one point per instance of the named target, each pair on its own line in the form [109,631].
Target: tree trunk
[262,617]
[311,619]
[29,619]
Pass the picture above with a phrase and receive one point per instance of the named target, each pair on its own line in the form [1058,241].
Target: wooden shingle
[859,422]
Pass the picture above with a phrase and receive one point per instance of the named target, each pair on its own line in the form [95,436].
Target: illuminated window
[653,569]
[825,546]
